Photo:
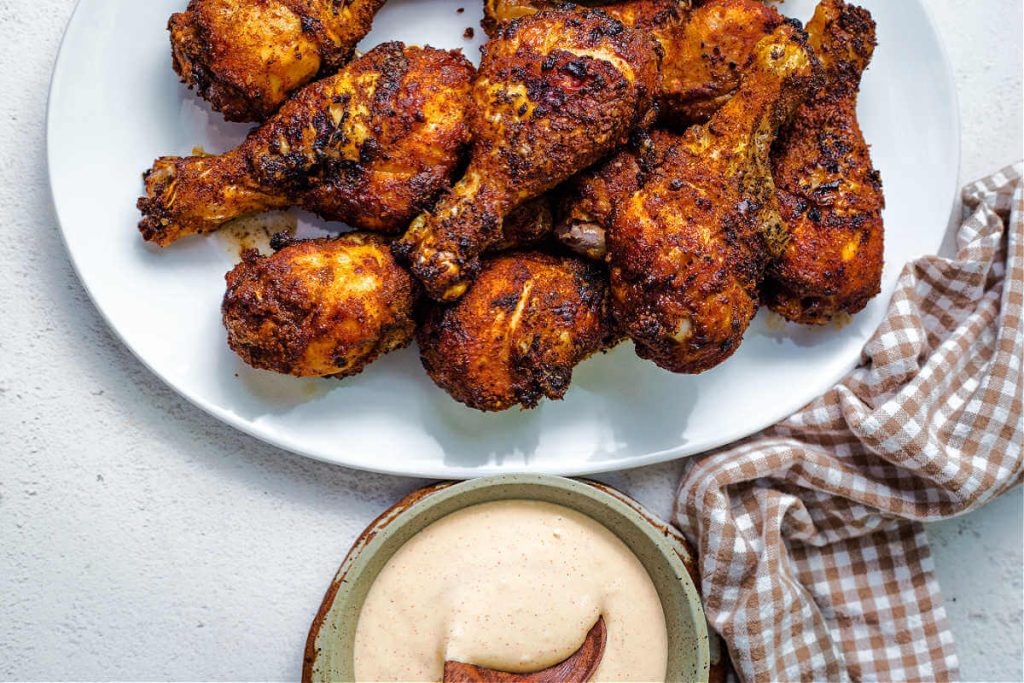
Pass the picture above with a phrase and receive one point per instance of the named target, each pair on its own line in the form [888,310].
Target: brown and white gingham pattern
[814,563]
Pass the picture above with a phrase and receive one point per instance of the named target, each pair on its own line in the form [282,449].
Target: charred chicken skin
[829,193]
[705,49]
[519,331]
[526,225]
[587,203]
[705,56]
[371,146]
[647,15]
[688,250]
[319,307]
[247,56]
[555,92]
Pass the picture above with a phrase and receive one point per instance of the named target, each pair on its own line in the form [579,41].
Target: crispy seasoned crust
[319,307]
[526,225]
[587,203]
[371,146]
[519,331]
[705,56]
[555,92]
[247,56]
[412,141]
[705,48]
[688,250]
[197,194]
[648,15]
[829,193]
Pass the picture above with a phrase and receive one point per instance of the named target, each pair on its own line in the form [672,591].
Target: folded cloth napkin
[814,563]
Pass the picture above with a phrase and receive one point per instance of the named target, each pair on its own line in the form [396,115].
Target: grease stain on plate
[254,232]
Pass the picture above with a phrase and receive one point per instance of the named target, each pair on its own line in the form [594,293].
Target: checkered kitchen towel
[814,563]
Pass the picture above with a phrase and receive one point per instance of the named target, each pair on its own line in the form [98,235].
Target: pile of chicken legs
[650,169]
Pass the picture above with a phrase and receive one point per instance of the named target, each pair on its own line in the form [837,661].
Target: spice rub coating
[689,249]
[587,203]
[247,56]
[648,15]
[371,146]
[829,193]
[519,331]
[319,307]
[706,55]
[705,47]
[555,92]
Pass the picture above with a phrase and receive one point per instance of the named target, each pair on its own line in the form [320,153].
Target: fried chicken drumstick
[830,196]
[515,337]
[319,307]
[371,146]
[705,48]
[829,193]
[587,203]
[554,93]
[688,250]
[247,56]
[647,15]
[706,55]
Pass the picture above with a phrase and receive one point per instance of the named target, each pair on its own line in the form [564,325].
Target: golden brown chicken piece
[648,15]
[519,331]
[587,203]
[688,250]
[706,56]
[319,307]
[555,92]
[705,49]
[526,225]
[371,146]
[247,56]
[829,193]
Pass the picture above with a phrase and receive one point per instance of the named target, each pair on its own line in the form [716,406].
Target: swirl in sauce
[511,585]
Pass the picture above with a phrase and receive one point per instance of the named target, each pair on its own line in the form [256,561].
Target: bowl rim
[417,507]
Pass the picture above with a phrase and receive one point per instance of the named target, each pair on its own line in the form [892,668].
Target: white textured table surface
[141,539]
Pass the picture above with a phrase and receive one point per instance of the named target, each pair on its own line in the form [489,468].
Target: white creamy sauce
[511,585]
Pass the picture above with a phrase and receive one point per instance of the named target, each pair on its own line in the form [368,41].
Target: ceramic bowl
[659,548]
